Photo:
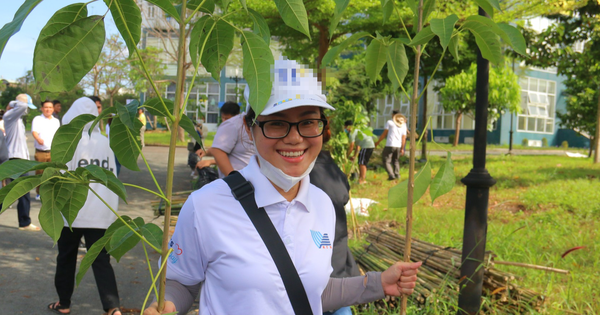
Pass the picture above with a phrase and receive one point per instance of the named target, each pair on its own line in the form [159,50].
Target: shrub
[544,142]
[451,138]
[564,144]
[525,142]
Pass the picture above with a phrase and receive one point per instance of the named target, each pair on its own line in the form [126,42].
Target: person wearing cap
[43,128]
[231,147]
[362,148]
[92,219]
[16,142]
[395,131]
[216,245]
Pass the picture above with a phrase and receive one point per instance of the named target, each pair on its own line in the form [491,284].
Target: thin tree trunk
[597,136]
[457,128]
[424,123]
[411,164]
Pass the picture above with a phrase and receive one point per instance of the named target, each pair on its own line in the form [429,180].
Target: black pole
[478,183]
[510,139]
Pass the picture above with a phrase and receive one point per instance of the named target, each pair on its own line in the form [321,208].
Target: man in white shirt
[395,131]
[43,128]
[231,148]
[16,142]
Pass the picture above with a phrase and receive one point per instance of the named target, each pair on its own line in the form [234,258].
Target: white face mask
[277,176]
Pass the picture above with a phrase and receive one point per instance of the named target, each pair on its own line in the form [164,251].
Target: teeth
[291,154]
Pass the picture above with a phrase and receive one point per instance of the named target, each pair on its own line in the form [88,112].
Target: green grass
[540,207]
[164,137]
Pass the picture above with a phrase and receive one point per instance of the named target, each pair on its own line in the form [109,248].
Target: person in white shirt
[92,220]
[215,243]
[231,147]
[395,131]
[16,142]
[43,128]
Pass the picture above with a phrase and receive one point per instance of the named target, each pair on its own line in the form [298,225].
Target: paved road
[28,259]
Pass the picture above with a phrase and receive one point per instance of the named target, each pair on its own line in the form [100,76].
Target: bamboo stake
[508,263]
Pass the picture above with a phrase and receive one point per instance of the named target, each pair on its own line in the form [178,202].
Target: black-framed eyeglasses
[278,129]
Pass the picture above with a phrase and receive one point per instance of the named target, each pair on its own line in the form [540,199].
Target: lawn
[159,137]
[540,207]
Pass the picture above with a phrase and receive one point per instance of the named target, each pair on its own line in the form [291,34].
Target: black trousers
[66,263]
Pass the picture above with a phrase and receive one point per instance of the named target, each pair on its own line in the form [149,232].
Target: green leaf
[258,62]
[67,138]
[387,8]
[397,63]
[124,239]
[187,125]
[155,107]
[453,47]
[167,7]
[444,28]
[495,4]
[153,234]
[6,189]
[515,38]
[115,185]
[398,195]
[485,37]
[444,180]
[125,145]
[335,51]
[201,27]
[128,19]
[223,4]
[424,36]
[97,173]
[127,114]
[105,113]
[11,28]
[486,6]
[50,172]
[15,168]
[294,15]
[376,57]
[207,7]
[62,18]
[244,5]
[261,28]
[62,60]
[428,6]
[217,49]
[21,188]
[340,7]
[74,202]
[91,256]
[50,218]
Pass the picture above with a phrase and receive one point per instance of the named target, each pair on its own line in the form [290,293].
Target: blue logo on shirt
[321,240]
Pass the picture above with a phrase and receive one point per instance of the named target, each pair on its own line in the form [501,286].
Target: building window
[441,119]
[151,11]
[538,100]
[203,101]
[235,92]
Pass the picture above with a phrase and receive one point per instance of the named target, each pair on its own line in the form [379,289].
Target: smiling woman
[279,261]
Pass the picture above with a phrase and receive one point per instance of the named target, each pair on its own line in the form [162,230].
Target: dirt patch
[510,206]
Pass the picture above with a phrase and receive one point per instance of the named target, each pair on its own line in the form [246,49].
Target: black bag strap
[243,191]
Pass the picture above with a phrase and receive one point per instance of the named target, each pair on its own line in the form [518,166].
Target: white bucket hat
[294,85]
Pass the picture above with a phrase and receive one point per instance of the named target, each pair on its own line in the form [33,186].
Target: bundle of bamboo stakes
[177,201]
[439,276]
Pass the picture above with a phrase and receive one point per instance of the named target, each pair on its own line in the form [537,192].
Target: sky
[17,57]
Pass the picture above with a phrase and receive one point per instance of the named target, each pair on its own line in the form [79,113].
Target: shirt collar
[264,191]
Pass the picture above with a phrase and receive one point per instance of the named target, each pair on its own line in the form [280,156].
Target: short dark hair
[348,123]
[95,98]
[394,112]
[47,101]
[56,102]
[230,108]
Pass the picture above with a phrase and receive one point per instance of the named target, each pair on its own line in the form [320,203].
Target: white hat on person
[294,85]
[25,98]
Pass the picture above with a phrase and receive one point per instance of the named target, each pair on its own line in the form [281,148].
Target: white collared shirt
[215,242]
[232,138]
[46,128]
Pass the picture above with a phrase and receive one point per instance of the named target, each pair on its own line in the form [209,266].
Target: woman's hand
[153,309]
[400,278]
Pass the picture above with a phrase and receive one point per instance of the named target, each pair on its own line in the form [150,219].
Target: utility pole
[478,183]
